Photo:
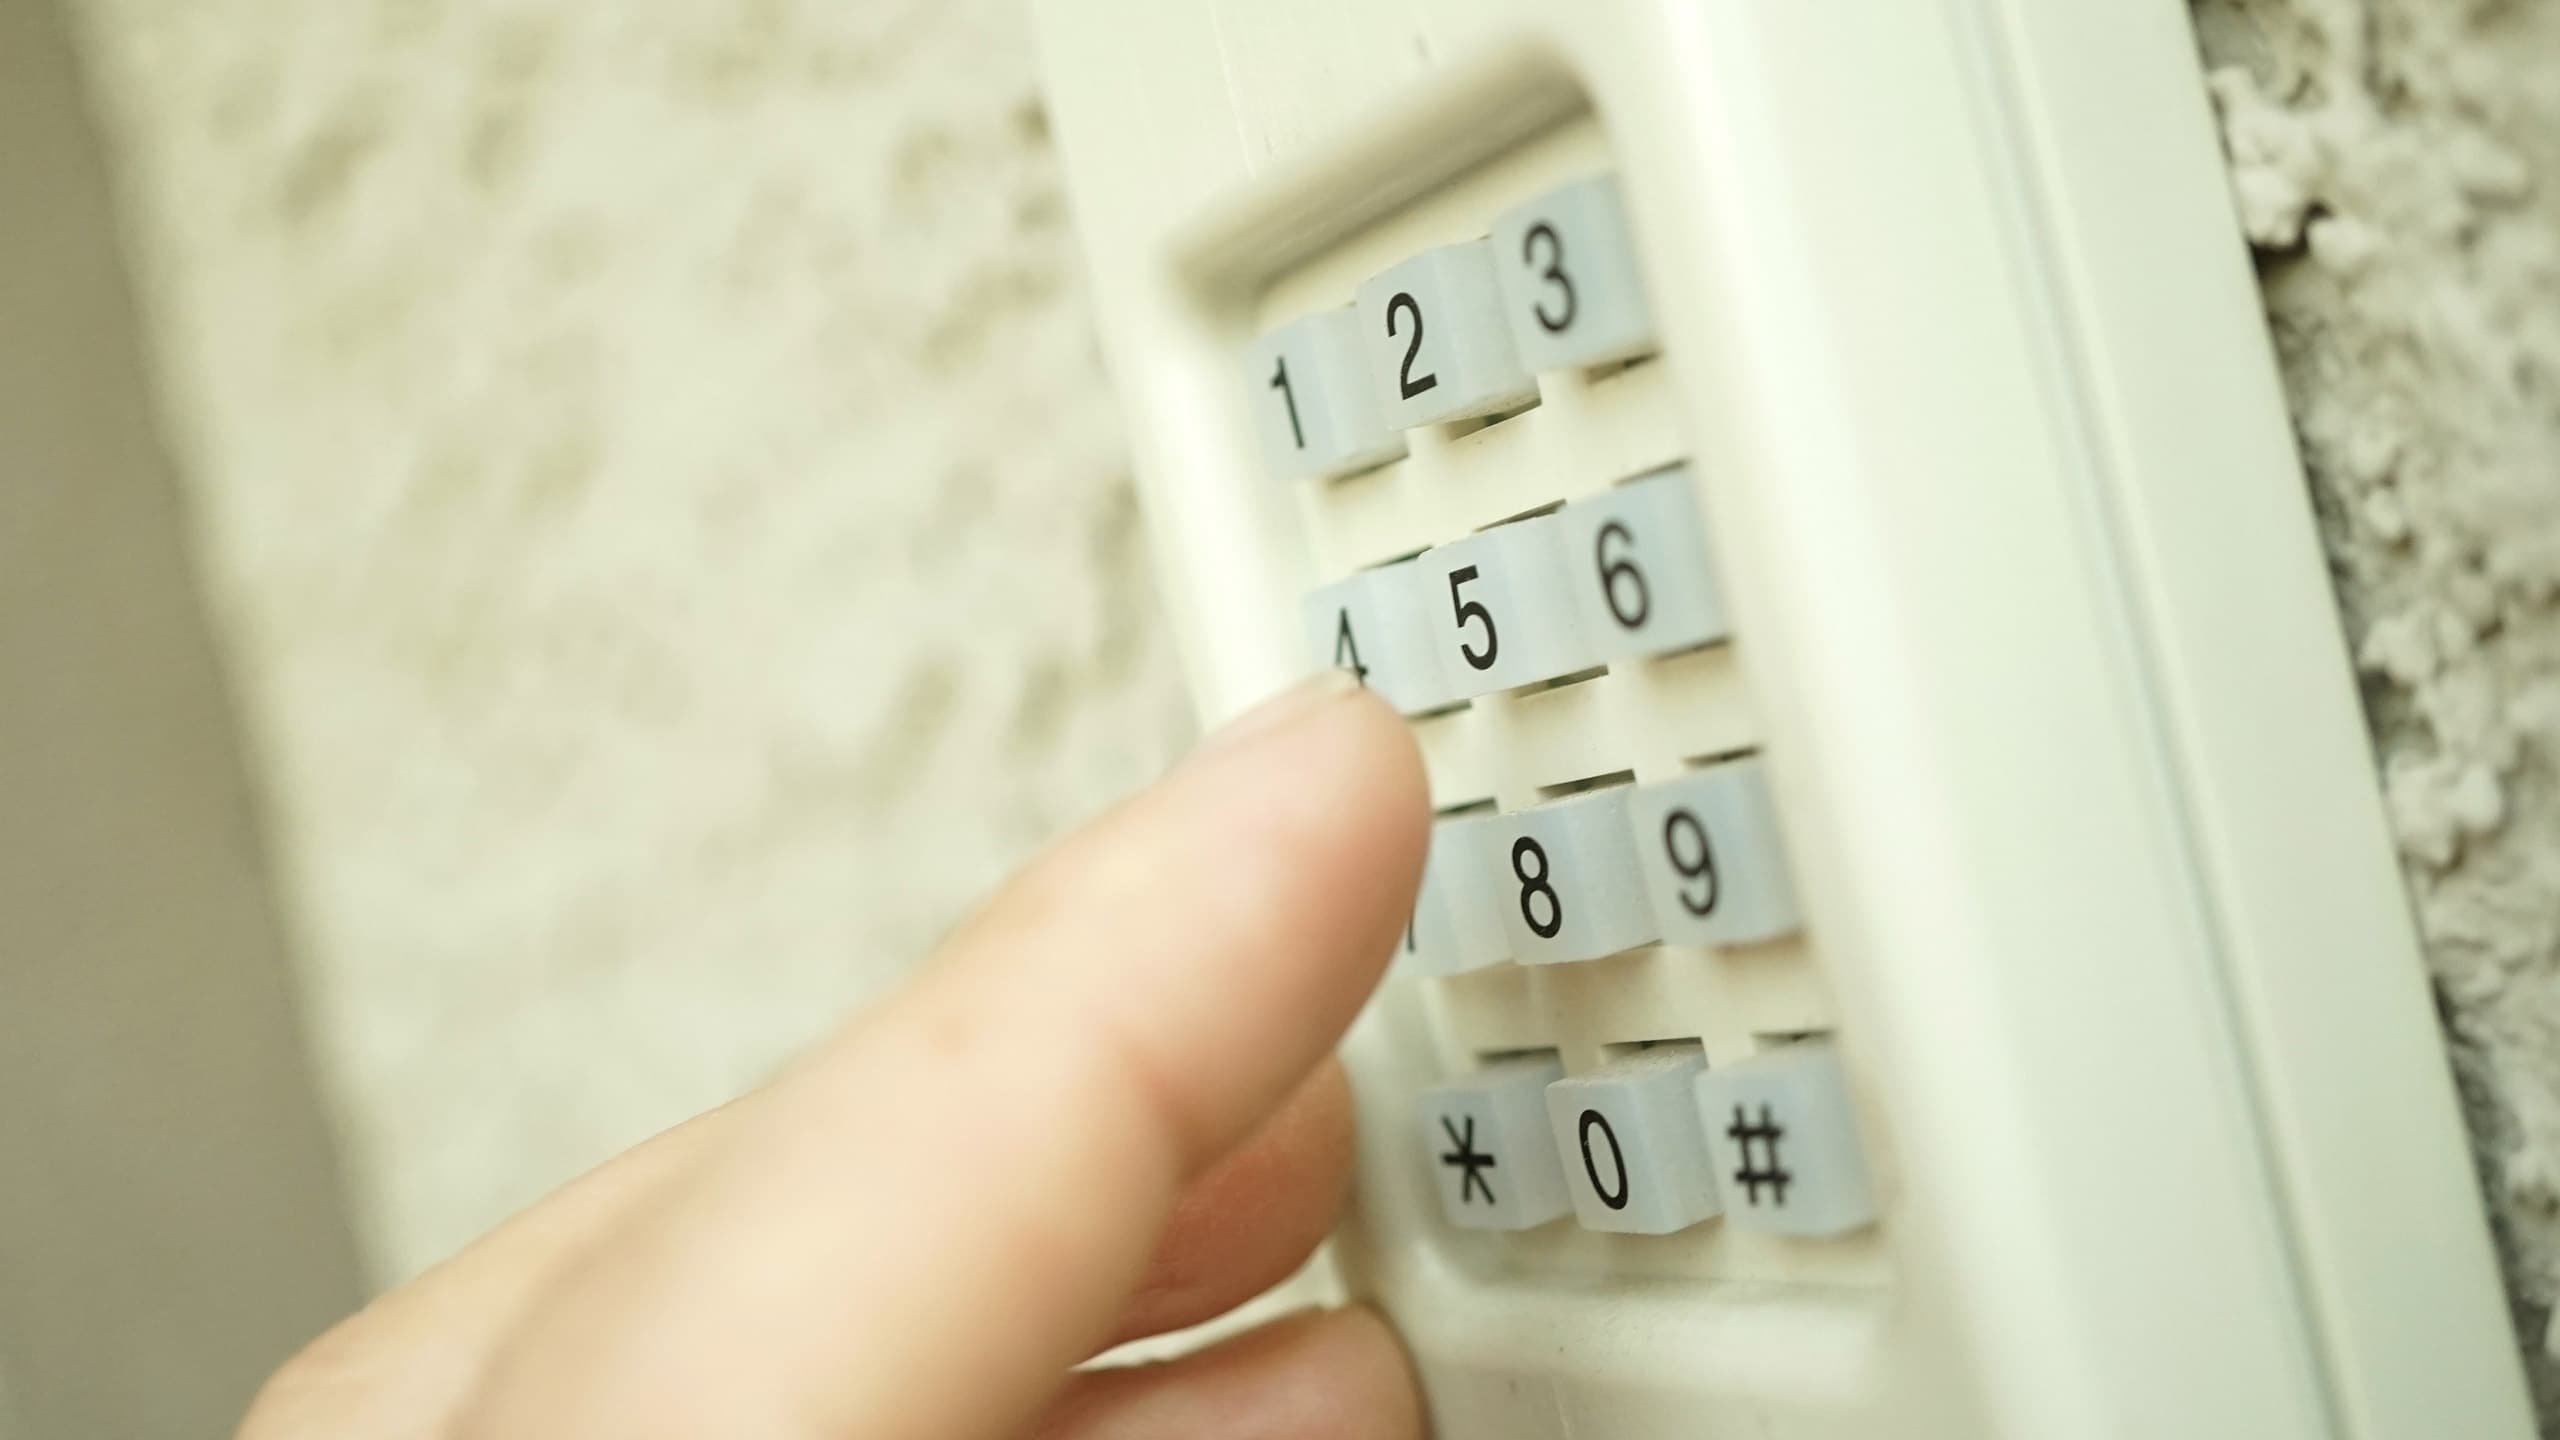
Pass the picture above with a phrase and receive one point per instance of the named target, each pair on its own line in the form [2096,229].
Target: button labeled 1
[1635,1159]
[1568,267]
[1455,927]
[1373,626]
[1784,1143]
[1568,880]
[1491,1152]
[1499,608]
[1313,404]
[1439,348]
[1642,579]
[1713,866]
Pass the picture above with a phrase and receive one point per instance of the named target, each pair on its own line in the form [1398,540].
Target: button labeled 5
[1439,348]
[1491,1153]
[1713,867]
[1499,608]
[1313,404]
[1568,879]
[1642,580]
[1568,268]
[1373,626]
[1635,1159]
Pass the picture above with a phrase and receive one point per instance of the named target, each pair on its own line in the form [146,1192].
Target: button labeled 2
[1784,1143]
[1491,1153]
[1635,1158]
[1643,583]
[1499,608]
[1372,624]
[1713,866]
[1439,348]
[1313,405]
[1568,267]
[1567,877]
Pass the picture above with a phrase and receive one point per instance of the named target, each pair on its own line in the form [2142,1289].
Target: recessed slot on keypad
[1565,788]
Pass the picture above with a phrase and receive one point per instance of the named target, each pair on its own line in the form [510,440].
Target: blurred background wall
[654,490]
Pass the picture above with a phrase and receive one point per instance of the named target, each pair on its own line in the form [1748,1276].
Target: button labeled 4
[1372,625]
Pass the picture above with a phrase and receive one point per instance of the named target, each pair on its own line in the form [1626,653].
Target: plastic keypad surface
[1490,1148]
[1785,1150]
[1635,1154]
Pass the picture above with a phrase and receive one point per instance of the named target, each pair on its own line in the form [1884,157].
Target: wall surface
[2398,166]
[655,477]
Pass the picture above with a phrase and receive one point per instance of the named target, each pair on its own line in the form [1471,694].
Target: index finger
[926,1224]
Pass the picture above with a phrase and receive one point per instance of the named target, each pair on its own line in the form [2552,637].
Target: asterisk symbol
[1465,1155]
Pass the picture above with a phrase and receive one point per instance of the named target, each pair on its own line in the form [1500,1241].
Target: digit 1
[1288,397]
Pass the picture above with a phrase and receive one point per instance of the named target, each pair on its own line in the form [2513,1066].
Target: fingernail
[1290,705]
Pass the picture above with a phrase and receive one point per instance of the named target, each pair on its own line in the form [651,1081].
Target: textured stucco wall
[2398,164]
[658,485]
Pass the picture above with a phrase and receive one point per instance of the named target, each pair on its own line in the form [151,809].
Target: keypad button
[1500,608]
[1713,866]
[1439,348]
[1566,879]
[1635,1159]
[1375,625]
[1568,267]
[1784,1143]
[1490,1149]
[1456,926]
[1313,403]
[1642,579]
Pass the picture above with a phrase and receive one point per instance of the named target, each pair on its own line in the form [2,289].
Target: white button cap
[1713,865]
[1784,1143]
[1566,879]
[1499,608]
[1439,347]
[1568,267]
[1455,926]
[1491,1151]
[1373,624]
[1642,578]
[1313,403]
[1635,1159]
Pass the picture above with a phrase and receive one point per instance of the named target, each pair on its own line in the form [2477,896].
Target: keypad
[1372,625]
[1784,1144]
[1568,268]
[1576,938]
[1491,1150]
[1713,867]
[1313,406]
[1635,1155]
[1569,883]
[1439,345]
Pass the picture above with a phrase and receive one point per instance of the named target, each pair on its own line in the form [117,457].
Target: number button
[1643,582]
[1499,608]
[1491,1153]
[1635,1159]
[1566,872]
[1784,1144]
[1439,348]
[1456,926]
[1569,280]
[1373,625]
[1713,864]
[1308,384]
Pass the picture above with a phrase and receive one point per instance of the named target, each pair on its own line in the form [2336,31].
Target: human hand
[1106,1109]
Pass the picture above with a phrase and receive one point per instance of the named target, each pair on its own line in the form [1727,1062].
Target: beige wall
[170,1224]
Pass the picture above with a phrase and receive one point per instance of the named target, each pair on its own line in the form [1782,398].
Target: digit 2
[1409,384]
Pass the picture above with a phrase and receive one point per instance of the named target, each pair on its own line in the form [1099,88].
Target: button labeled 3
[1568,267]
[1439,348]
[1713,866]
[1784,1144]
[1635,1159]
[1491,1153]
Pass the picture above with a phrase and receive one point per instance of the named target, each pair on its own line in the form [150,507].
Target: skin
[1129,1046]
